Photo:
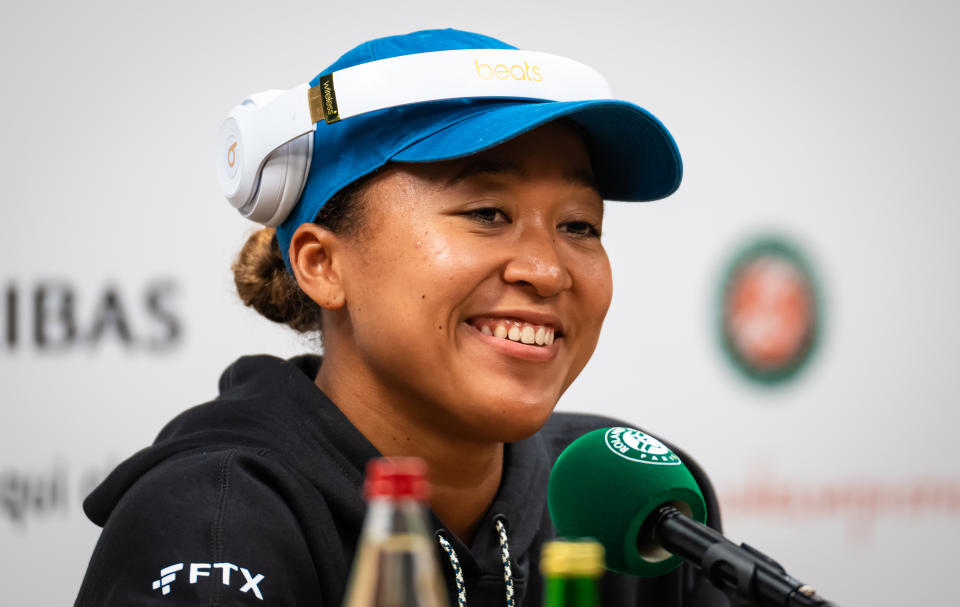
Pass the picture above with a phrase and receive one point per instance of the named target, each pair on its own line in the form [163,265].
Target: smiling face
[475,292]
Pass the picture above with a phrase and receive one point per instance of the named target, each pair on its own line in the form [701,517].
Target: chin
[519,433]
[513,420]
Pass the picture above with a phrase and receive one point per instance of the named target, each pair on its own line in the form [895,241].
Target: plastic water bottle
[396,562]
[571,570]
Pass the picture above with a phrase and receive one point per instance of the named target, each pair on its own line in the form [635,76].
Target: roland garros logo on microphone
[636,446]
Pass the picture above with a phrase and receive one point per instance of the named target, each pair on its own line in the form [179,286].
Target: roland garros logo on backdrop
[770,315]
[636,446]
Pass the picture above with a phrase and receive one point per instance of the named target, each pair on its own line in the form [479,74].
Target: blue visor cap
[633,155]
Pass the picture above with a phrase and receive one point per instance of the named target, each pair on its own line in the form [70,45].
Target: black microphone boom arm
[749,577]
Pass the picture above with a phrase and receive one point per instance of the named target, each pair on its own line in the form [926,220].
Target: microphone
[631,493]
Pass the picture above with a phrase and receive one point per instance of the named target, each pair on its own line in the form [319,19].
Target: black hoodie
[255,499]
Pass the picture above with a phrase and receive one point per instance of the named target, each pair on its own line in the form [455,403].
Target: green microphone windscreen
[605,485]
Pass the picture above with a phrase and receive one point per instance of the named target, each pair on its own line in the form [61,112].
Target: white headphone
[261,179]
[265,145]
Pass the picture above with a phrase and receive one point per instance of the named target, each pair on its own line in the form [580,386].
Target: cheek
[452,253]
[608,287]
[596,292]
[416,280]
[452,265]
[596,286]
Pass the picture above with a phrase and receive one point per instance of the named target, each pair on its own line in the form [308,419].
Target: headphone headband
[254,131]
[438,75]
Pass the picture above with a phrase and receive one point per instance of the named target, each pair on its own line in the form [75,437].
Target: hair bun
[264,284]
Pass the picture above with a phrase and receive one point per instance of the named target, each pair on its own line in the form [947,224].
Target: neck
[464,475]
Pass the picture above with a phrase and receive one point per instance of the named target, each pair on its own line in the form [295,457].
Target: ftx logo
[198,570]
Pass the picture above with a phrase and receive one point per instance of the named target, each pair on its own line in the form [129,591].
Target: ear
[315,254]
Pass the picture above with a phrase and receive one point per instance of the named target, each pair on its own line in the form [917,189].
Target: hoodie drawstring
[457,571]
[504,558]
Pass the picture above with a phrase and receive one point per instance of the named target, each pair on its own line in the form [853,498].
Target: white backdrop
[833,125]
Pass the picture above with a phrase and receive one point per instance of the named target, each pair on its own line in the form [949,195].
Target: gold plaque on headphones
[323,101]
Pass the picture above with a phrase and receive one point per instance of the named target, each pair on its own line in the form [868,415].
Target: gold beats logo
[485,71]
[232,161]
[232,154]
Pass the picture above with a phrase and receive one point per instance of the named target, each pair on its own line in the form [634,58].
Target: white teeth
[518,331]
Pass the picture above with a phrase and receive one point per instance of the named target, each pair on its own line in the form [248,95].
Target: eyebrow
[577,177]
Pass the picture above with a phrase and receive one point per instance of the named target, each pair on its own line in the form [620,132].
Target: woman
[450,253]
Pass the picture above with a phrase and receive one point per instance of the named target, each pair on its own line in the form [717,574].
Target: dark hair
[262,279]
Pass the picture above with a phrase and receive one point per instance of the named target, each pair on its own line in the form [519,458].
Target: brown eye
[581,229]
[487,215]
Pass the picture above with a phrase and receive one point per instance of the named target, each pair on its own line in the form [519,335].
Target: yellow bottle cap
[572,558]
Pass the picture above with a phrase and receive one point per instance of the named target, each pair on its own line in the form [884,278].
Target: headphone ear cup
[282,179]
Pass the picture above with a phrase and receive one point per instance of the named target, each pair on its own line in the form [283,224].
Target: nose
[537,262]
